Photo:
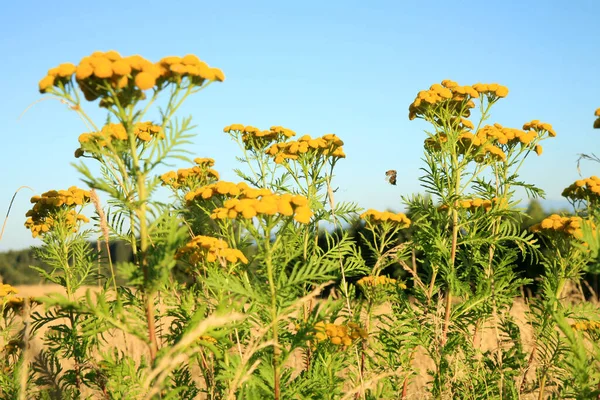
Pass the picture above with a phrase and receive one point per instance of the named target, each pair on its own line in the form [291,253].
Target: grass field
[486,339]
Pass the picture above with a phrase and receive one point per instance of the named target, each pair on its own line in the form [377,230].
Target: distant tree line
[525,266]
[15,264]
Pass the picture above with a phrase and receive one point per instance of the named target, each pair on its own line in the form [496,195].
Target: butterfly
[390,176]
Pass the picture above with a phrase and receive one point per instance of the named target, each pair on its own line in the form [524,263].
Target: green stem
[453,249]
[271,277]
[141,211]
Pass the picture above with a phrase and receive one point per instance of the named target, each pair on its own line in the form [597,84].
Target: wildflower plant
[227,288]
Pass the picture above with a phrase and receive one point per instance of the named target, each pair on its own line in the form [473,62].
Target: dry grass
[486,338]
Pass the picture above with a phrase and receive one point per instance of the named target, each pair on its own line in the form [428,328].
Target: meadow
[236,290]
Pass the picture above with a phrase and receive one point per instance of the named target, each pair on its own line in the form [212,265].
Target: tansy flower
[539,127]
[16,303]
[46,83]
[587,189]
[254,138]
[379,217]
[372,281]
[210,249]
[583,326]
[189,178]
[56,206]
[339,335]
[242,201]
[378,288]
[117,136]
[145,81]
[597,121]
[571,226]
[328,145]
[448,93]
[6,289]
[128,76]
[475,204]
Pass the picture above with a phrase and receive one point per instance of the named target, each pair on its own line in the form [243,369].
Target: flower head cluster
[255,202]
[16,303]
[597,121]
[555,223]
[378,217]
[102,74]
[492,141]
[56,206]
[539,127]
[116,134]
[199,175]
[584,189]
[586,326]
[373,281]
[468,143]
[240,200]
[221,188]
[209,249]
[6,289]
[341,335]
[254,138]
[207,339]
[377,288]
[491,89]
[327,146]
[454,97]
[474,204]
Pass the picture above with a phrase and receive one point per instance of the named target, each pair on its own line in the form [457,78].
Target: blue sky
[345,67]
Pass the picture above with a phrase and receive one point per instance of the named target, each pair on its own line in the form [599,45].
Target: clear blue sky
[345,67]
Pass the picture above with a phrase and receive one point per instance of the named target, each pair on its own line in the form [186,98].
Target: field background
[421,361]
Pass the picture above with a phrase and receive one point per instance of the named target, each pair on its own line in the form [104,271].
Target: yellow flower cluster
[341,335]
[103,73]
[39,228]
[505,136]
[250,202]
[222,188]
[376,217]
[491,89]
[586,326]
[372,281]
[584,189]
[328,146]
[254,202]
[539,127]
[473,205]
[597,121]
[6,289]
[210,249]
[468,143]
[206,338]
[490,140]
[143,131]
[454,96]
[569,225]
[200,174]
[48,205]
[15,303]
[254,138]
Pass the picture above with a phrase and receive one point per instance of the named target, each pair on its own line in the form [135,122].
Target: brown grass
[486,338]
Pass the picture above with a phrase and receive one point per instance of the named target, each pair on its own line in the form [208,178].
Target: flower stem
[271,277]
